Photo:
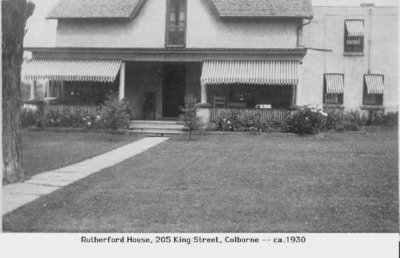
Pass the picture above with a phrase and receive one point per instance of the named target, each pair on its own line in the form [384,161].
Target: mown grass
[47,150]
[328,183]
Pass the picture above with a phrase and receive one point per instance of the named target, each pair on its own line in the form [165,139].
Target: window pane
[331,98]
[373,99]
[177,23]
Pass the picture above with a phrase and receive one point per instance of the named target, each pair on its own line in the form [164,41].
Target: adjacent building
[361,71]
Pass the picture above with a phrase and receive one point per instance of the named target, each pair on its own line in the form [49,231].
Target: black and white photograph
[200,117]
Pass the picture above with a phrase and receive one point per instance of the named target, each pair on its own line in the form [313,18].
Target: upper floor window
[333,88]
[373,89]
[354,36]
[176,23]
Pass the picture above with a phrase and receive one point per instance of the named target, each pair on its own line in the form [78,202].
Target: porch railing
[266,115]
[91,110]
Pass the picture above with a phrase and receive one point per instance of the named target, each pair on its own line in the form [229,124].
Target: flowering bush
[335,120]
[308,119]
[31,117]
[233,121]
[66,119]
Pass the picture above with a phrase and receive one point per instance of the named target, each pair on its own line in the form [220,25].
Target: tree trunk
[14,15]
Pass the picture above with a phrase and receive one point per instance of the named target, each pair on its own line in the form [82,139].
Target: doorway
[173,90]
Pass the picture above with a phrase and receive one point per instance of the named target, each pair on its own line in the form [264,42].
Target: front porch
[156,90]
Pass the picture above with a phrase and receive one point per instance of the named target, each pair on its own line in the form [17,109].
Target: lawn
[233,183]
[47,150]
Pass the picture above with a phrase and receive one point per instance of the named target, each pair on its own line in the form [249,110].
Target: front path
[17,195]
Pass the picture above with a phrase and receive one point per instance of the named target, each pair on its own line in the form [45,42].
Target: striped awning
[71,70]
[334,83]
[355,28]
[250,72]
[374,83]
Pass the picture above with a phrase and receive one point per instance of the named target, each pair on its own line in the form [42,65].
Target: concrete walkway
[16,195]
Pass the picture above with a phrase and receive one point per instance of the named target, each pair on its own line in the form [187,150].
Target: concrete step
[156,127]
[156,122]
[156,131]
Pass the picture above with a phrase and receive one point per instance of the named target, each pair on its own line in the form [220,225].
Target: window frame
[340,96]
[168,24]
[377,96]
[346,37]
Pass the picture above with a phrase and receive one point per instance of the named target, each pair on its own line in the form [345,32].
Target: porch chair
[219,101]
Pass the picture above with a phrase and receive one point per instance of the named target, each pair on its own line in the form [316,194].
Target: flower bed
[114,115]
[303,120]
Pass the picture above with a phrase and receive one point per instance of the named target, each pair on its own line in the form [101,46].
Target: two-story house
[228,53]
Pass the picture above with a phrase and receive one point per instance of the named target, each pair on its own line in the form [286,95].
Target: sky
[41,32]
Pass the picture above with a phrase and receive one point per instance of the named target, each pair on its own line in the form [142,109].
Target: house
[249,55]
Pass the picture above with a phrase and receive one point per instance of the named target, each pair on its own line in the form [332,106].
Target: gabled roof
[262,8]
[71,9]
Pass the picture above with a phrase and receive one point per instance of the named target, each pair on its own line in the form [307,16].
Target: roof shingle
[67,9]
[262,8]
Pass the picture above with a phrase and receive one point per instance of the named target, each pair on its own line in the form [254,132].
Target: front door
[173,90]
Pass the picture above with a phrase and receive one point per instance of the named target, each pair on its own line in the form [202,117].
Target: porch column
[122,81]
[294,94]
[299,88]
[33,91]
[203,93]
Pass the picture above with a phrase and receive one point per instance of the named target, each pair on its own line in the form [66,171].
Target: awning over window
[71,70]
[334,83]
[250,72]
[355,28]
[374,83]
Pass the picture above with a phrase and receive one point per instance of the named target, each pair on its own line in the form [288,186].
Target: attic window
[176,23]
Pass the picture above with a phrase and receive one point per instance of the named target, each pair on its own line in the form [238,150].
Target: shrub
[378,118]
[31,117]
[212,126]
[227,121]
[391,119]
[233,121]
[253,124]
[353,121]
[114,113]
[335,120]
[189,116]
[349,121]
[66,119]
[306,120]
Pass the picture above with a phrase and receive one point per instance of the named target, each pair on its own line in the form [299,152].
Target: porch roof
[266,72]
[71,70]
[355,28]
[374,83]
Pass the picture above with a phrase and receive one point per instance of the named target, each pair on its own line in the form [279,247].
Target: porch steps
[157,127]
